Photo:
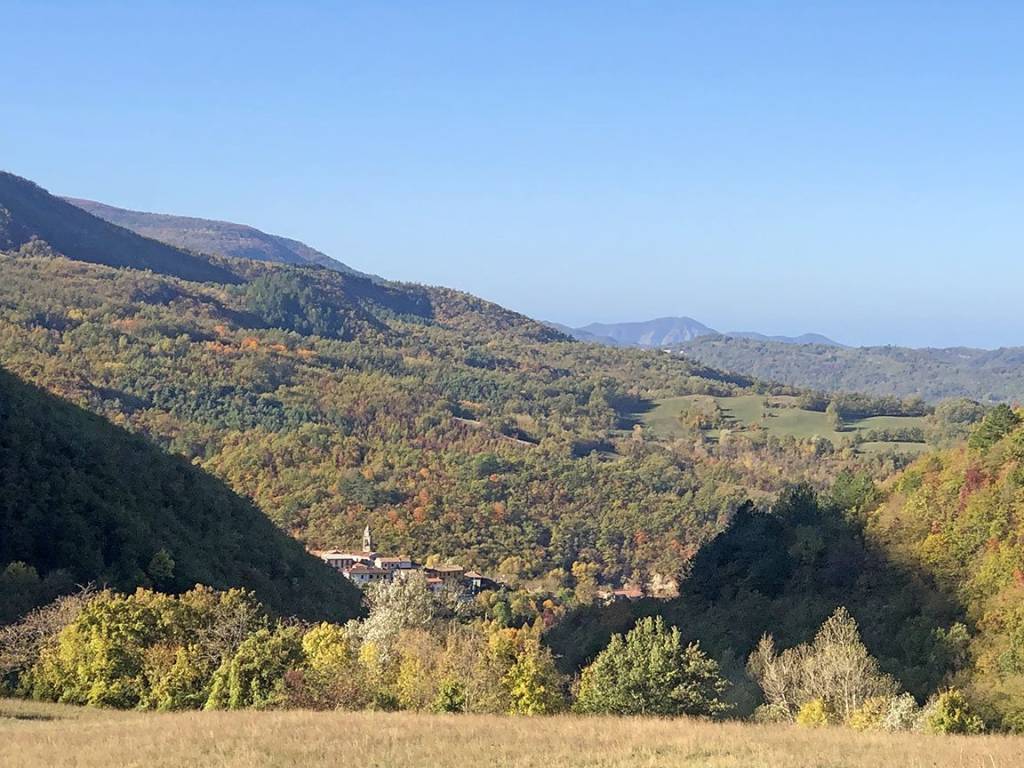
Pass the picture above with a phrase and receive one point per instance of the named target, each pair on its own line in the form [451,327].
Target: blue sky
[855,169]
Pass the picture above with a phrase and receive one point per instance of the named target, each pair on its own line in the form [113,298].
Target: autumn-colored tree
[255,676]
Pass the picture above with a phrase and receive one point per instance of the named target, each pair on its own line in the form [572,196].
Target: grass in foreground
[36,735]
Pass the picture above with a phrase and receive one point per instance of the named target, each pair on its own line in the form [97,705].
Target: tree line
[208,649]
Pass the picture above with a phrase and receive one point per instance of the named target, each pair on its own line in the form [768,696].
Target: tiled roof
[361,568]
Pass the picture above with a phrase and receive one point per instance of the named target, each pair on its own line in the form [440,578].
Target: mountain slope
[86,497]
[221,238]
[804,338]
[933,374]
[783,571]
[580,335]
[930,563]
[958,516]
[662,332]
[453,426]
[28,211]
[670,332]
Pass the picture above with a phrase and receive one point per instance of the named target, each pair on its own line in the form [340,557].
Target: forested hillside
[454,427]
[933,374]
[958,516]
[466,432]
[783,571]
[85,501]
[931,564]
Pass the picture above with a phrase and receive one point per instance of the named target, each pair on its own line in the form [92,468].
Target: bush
[903,713]
[870,715]
[951,713]
[813,714]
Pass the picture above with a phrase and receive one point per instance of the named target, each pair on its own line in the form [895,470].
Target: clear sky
[851,168]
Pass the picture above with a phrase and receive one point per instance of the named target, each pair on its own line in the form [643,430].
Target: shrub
[951,713]
[903,713]
[533,683]
[870,715]
[451,696]
[813,714]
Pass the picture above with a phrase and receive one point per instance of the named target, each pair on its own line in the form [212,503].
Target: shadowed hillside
[28,211]
[957,515]
[86,497]
[783,572]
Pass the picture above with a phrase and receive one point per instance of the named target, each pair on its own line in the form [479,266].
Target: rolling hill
[221,238]
[662,332]
[932,374]
[453,426]
[930,563]
[29,212]
[86,498]
[804,338]
[671,332]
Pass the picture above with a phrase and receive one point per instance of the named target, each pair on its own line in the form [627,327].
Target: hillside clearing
[784,419]
[34,735]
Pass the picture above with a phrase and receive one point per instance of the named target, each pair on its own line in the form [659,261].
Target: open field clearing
[783,419]
[34,736]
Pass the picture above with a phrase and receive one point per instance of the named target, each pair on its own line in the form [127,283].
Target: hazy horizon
[786,169]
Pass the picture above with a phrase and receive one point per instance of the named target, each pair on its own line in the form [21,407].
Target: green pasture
[782,419]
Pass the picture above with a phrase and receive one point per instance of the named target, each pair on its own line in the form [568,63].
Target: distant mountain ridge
[668,332]
[28,212]
[220,238]
[804,338]
[995,375]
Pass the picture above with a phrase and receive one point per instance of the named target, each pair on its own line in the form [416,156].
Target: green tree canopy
[650,672]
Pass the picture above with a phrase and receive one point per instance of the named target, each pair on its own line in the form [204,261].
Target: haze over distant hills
[804,338]
[665,332]
[27,212]
[222,238]
[933,374]
[818,362]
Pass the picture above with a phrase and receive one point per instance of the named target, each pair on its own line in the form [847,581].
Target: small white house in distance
[400,563]
[342,561]
[366,574]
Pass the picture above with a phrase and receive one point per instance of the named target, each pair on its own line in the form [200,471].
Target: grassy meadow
[37,736]
[785,419]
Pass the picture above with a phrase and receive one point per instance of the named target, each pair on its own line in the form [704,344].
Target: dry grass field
[40,736]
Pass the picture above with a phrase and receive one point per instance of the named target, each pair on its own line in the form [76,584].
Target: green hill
[932,374]
[454,427]
[958,516]
[783,570]
[86,498]
[28,211]
[930,563]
